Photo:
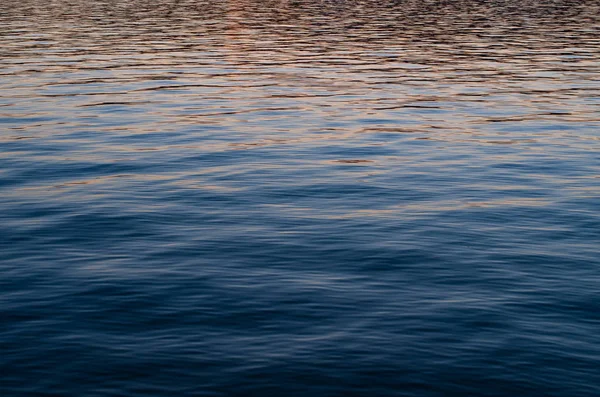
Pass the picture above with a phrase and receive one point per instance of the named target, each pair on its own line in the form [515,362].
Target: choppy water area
[291,198]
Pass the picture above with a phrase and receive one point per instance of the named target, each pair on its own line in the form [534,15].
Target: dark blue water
[299,198]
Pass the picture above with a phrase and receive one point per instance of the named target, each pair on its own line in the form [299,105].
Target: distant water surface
[299,198]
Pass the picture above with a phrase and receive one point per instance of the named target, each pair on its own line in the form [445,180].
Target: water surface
[291,198]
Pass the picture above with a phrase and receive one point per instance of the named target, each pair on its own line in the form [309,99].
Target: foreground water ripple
[284,198]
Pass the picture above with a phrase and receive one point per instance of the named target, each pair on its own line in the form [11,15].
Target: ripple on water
[282,198]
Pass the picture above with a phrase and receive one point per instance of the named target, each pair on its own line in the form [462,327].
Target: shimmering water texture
[300,198]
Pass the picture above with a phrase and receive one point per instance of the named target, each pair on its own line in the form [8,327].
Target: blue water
[299,198]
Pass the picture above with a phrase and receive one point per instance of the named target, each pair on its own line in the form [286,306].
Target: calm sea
[300,198]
